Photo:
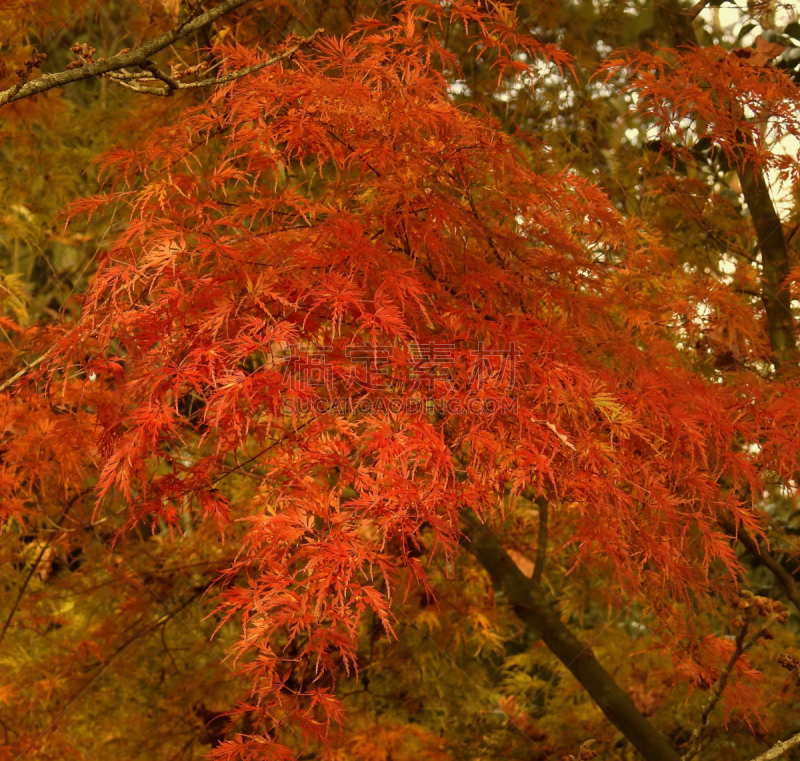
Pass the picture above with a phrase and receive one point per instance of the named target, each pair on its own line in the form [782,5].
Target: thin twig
[171,84]
[250,69]
[773,612]
[24,586]
[716,692]
[111,660]
[38,560]
[25,370]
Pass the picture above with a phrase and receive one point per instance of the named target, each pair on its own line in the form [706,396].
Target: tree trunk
[533,609]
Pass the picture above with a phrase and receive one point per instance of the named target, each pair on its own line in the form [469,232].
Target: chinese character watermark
[427,378]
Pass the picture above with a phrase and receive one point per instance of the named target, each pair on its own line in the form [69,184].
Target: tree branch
[534,610]
[137,57]
[172,84]
[697,9]
[541,544]
[771,239]
[777,750]
[25,370]
[775,265]
[111,660]
[151,66]
[763,556]
[45,547]
[716,691]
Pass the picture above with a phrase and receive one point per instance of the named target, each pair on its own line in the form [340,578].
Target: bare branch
[172,85]
[250,69]
[146,90]
[125,78]
[777,750]
[137,57]
[25,370]
[40,556]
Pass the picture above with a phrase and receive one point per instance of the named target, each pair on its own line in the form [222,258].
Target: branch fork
[114,68]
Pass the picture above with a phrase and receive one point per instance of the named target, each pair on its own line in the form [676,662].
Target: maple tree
[386,381]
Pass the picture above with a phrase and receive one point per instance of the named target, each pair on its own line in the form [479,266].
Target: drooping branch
[533,609]
[136,57]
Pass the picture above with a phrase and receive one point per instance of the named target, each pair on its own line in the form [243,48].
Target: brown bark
[534,610]
[774,263]
[769,232]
